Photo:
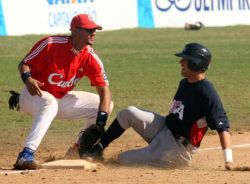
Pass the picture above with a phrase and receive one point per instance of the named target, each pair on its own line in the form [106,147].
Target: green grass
[142,71]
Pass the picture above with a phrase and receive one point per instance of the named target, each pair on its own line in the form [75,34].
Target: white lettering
[177,107]
[56,79]
[53,75]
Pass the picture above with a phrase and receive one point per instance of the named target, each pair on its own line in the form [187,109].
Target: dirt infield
[207,166]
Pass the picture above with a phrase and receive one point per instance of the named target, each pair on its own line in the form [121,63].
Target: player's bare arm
[31,83]
[33,86]
[225,141]
[105,98]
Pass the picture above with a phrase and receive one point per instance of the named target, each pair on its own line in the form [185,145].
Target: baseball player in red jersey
[50,71]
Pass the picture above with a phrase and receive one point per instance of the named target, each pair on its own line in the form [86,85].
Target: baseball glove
[89,138]
[14,100]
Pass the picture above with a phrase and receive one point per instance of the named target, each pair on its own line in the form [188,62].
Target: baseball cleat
[26,160]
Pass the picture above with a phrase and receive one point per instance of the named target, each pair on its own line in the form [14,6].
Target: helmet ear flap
[193,65]
[197,65]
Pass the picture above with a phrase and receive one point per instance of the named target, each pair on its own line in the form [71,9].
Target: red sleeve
[95,70]
[36,58]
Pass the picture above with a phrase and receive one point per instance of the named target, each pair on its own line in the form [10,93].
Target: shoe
[26,160]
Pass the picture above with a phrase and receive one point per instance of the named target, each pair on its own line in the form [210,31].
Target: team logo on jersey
[220,123]
[56,79]
[104,76]
[177,108]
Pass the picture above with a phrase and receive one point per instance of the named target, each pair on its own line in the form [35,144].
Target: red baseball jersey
[54,62]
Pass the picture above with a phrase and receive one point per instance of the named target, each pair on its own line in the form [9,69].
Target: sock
[113,132]
[28,150]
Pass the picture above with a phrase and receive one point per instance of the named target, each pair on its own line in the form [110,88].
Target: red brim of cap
[91,26]
[94,26]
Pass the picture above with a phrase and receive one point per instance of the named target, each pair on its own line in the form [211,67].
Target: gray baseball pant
[163,149]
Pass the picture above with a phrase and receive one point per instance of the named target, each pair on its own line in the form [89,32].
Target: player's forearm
[105,98]
[225,141]
[24,71]
[104,106]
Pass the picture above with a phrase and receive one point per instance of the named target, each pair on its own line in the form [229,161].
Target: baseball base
[69,164]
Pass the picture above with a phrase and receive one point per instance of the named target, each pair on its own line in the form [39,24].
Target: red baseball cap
[84,21]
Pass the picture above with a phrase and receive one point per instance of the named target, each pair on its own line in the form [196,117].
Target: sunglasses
[89,31]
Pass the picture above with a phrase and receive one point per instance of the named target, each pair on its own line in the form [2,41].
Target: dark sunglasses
[89,31]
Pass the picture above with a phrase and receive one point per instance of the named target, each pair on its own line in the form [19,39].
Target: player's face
[86,35]
[191,75]
[185,71]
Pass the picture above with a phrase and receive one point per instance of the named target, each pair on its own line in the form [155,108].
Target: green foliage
[142,71]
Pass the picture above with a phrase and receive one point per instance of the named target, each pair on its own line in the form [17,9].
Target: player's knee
[130,111]
[127,112]
[126,116]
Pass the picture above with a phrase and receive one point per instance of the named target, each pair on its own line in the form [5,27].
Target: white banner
[20,17]
[174,13]
[54,16]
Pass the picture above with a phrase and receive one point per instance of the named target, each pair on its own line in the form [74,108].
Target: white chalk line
[219,148]
[16,172]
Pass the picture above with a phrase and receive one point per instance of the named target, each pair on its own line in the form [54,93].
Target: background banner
[20,17]
[174,13]
[2,21]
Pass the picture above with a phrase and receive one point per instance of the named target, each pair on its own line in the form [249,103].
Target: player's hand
[33,86]
[229,166]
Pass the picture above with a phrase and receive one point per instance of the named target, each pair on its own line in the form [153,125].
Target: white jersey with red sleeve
[53,62]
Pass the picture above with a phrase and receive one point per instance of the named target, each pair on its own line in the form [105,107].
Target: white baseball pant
[163,149]
[75,104]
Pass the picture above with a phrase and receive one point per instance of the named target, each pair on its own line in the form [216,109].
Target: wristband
[101,118]
[228,155]
[25,76]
